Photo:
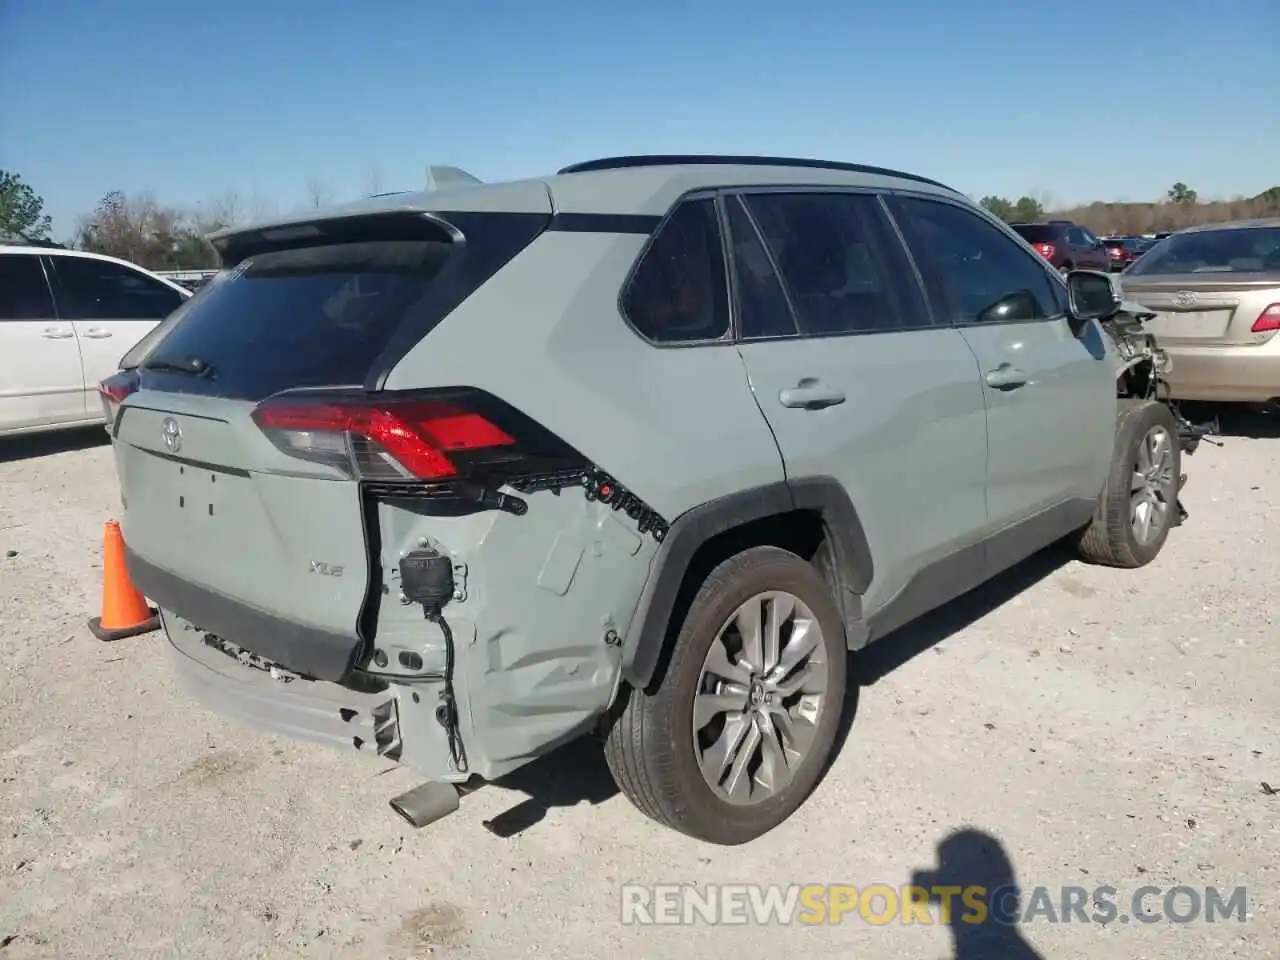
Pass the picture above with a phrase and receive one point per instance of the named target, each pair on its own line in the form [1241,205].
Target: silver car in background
[1215,292]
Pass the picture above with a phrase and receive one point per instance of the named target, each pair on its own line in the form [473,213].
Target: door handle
[1006,377]
[810,394]
[97,333]
[57,333]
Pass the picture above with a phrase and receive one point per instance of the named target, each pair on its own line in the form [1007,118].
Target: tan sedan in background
[1215,291]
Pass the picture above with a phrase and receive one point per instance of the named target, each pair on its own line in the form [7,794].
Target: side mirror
[1091,296]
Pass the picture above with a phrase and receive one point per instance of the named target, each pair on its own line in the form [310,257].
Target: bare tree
[136,228]
[224,210]
[261,207]
[318,193]
[374,182]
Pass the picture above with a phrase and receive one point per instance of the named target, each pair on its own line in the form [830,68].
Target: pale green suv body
[674,434]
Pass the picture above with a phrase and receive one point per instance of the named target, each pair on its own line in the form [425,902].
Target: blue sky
[263,97]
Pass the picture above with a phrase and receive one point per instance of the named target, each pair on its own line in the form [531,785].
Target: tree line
[141,229]
[1180,207]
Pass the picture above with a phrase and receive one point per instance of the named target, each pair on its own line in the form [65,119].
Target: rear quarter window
[678,292]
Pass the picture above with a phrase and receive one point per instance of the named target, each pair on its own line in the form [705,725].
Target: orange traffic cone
[125,612]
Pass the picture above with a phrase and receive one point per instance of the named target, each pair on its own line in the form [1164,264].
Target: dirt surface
[1090,727]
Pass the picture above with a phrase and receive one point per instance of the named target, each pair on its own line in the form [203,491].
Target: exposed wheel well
[802,532]
[1138,381]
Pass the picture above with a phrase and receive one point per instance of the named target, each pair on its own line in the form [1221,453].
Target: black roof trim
[677,159]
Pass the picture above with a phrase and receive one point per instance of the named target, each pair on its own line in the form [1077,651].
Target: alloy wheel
[761,692]
[1153,489]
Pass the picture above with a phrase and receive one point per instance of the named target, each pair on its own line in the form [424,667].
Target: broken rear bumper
[373,722]
[302,649]
[302,709]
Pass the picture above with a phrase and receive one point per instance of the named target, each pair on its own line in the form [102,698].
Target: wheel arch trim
[647,632]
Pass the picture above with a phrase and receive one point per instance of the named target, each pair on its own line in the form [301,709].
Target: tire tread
[639,745]
[1107,540]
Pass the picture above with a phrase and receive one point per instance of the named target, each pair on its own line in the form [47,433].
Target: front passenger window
[979,274]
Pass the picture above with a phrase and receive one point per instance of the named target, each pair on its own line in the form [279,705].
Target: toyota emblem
[172,434]
[1184,298]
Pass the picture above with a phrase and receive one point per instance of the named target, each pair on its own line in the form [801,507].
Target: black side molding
[641,223]
[304,650]
[646,635]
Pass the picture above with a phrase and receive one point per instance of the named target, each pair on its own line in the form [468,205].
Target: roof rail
[672,160]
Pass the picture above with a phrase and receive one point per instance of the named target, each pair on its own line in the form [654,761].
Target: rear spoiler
[438,178]
[441,178]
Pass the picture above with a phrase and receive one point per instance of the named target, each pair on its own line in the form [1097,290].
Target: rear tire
[658,748]
[1143,484]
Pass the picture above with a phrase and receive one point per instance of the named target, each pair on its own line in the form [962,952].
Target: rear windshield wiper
[195,366]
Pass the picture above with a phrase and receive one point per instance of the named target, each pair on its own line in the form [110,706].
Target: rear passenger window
[24,294]
[843,268]
[678,293]
[978,274]
[91,289]
[763,310]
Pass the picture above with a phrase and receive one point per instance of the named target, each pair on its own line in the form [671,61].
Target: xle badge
[326,569]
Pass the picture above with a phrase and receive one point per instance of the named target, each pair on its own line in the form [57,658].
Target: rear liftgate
[455,447]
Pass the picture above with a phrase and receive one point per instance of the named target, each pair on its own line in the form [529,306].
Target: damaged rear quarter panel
[676,427]
[536,662]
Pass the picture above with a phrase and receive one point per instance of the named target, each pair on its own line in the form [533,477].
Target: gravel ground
[1091,727]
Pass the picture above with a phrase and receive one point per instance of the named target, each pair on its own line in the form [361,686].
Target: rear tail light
[456,444]
[435,437]
[1045,250]
[1268,320]
[114,390]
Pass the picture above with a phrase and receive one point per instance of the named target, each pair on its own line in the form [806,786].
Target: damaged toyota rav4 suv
[646,448]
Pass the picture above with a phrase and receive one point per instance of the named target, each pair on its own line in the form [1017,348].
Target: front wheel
[1139,504]
[740,730]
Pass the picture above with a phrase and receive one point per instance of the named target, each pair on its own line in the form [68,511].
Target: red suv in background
[1125,250]
[1066,245]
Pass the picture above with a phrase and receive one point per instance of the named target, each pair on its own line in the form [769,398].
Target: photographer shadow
[983,922]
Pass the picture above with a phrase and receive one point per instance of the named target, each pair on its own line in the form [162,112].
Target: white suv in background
[66,319]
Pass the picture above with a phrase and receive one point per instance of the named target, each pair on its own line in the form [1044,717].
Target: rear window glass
[1036,232]
[1249,250]
[315,316]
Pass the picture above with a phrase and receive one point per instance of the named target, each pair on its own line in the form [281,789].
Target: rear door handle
[57,333]
[810,394]
[97,333]
[1006,377]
